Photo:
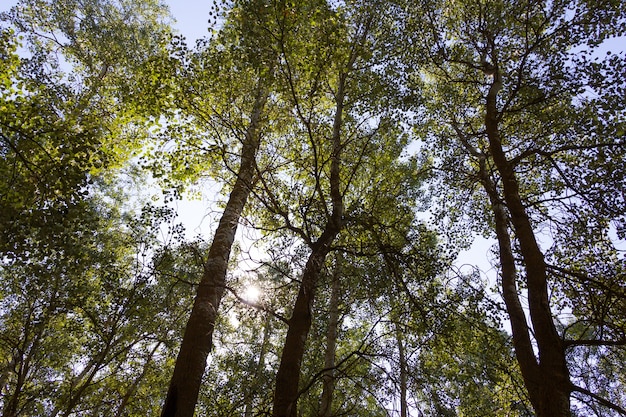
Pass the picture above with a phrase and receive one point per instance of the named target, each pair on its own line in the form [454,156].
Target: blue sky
[191,17]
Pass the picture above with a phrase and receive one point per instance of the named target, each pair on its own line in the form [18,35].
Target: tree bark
[288,375]
[182,394]
[519,326]
[328,377]
[547,380]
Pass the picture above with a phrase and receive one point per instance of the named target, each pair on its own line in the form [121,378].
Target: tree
[518,120]
[64,118]
[75,289]
[317,214]
[328,378]
[82,321]
[345,144]
[241,49]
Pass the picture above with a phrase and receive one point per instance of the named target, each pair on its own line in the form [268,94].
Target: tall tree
[328,378]
[66,116]
[324,158]
[196,344]
[75,284]
[238,69]
[515,116]
[344,142]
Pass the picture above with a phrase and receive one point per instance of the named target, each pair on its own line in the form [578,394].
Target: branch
[25,161]
[465,141]
[565,148]
[599,399]
[593,342]
[586,278]
[359,352]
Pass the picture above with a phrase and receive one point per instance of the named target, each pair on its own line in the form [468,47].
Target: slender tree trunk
[132,390]
[249,400]
[403,371]
[519,326]
[328,378]
[12,405]
[548,380]
[85,380]
[182,394]
[288,374]
[22,362]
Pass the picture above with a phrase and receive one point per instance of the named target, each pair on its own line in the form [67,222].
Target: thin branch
[565,148]
[599,399]
[594,342]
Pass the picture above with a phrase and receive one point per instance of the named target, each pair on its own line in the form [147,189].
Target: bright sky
[192,22]
[191,17]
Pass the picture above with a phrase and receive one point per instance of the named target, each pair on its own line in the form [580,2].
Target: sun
[251,294]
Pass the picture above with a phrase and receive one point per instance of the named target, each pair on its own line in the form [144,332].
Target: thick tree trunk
[288,374]
[547,380]
[328,378]
[197,341]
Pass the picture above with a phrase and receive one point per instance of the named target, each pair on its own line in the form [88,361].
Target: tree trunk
[251,391]
[288,374]
[182,394]
[132,389]
[328,378]
[22,362]
[519,326]
[12,405]
[403,371]
[547,380]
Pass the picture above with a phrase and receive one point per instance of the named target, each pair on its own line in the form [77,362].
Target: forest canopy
[350,151]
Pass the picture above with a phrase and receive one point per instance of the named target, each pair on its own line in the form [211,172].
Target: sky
[192,22]
[191,17]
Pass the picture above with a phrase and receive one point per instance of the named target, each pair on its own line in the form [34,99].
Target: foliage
[348,118]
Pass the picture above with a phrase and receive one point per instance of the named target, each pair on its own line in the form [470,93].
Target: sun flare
[252,293]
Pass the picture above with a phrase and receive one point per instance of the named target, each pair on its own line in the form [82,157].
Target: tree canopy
[354,149]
